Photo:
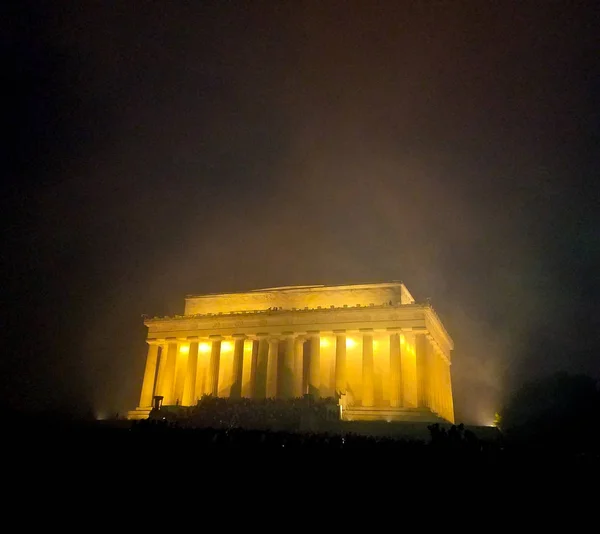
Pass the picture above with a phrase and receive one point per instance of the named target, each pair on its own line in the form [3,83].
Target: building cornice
[420,317]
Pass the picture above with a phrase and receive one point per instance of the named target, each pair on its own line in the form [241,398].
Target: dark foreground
[454,447]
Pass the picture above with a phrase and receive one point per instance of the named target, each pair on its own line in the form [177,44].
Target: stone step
[375,413]
[139,413]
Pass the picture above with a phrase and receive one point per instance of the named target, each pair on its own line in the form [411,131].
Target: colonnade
[289,365]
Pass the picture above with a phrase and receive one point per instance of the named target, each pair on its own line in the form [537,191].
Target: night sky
[158,149]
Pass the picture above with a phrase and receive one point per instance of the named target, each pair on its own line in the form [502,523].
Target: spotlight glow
[204,347]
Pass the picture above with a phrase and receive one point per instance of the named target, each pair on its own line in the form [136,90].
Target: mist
[161,150]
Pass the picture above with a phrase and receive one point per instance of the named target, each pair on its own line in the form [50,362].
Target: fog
[166,149]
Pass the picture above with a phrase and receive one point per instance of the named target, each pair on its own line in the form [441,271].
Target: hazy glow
[385,377]
[402,339]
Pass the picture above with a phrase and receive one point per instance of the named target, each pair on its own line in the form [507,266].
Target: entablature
[417,317]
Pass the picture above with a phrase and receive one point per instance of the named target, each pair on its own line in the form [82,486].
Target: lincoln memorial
[371,346]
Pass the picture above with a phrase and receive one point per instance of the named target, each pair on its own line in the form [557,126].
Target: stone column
[238,366]
[434,380]
[314,375]
[423,370]
[368,371]
[298,366]
[149,374]
[253,368]
[189,387]
[213,366]
[432,374]
[261,367]
[450,399]
[287,372]
[396,389]
[168,378]
[162,359]
[340,361]
[272,365]
[441,390]
[180,370]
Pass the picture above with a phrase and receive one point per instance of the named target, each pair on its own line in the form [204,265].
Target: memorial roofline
[315,287]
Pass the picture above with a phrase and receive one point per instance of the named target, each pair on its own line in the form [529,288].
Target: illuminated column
[423,369]
[261,367]
[432,357]
[180,371]
[449,393]
[213,366]
[189,388]
[298,366]
[396,390]
[367,367]
[287,372]
[440,385]
[314,375]
[238,366]
[168,377]
[443,394]
[162,360]
[149,374]
[435,383]
[253,368]
[431,374]
[340,361]
[272,368]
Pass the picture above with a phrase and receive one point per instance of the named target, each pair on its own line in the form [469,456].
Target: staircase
[138,413]
[385,413]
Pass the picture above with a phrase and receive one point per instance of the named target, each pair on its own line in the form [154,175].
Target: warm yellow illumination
[358,351]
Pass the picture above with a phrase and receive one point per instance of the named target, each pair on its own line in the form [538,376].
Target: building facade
[370,345]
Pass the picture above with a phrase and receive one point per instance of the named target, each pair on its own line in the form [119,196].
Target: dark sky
[157,149]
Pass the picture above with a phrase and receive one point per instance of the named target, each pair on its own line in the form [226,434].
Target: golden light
[184,349]
[350,343]
[226,346]
[402,339]
[324,342]
[204,347]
